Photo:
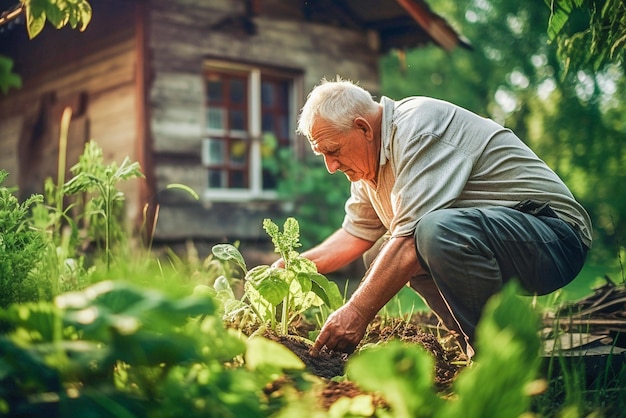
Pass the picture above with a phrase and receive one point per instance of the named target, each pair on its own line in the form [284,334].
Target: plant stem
[285,316]
[61,163]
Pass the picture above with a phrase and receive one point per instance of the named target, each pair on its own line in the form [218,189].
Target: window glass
[238,179]
[215,151]
[214,89]
[215,118]
[231,141]
[237,120]
[267,93]
[215,178]
[237,91]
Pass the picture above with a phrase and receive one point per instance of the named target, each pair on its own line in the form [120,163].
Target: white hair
[337,102]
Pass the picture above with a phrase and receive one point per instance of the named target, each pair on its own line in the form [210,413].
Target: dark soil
[328,364]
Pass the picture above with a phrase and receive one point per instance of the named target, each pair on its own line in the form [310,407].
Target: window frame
[254,74]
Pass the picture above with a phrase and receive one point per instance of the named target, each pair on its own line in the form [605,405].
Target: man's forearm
[396,263]
[336,251]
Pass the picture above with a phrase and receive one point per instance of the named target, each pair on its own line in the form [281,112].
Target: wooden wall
[184,33]
[94,73]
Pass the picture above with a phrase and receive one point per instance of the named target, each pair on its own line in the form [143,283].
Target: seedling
[273,292]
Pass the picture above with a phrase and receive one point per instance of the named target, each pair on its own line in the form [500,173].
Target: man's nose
[331,164]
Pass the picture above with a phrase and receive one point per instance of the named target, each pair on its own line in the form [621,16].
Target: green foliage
[589,33]
[7,78]
[296,287]
[402,373]
[508,349]
[76,13]
[21,249]
[126,351]
[496,385]
[104,207]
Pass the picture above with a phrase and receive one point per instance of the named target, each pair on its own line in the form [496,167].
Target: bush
[21,250]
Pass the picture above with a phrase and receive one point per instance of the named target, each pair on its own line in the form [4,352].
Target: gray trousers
[469,254]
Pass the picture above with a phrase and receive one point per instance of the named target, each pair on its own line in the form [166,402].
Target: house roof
[400,23]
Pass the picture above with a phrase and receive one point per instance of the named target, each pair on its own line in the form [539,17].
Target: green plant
[7,78]
[295,287]
[60,12]
[21,248]
[92,176]
[500,382]
[116,349]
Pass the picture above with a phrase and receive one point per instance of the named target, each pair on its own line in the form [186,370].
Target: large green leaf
[228,252]
[269,282]
[402,373]
[146,348]
[327,290]
[507,356]
[262,352]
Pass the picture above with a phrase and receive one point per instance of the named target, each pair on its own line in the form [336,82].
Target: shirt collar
[387,129]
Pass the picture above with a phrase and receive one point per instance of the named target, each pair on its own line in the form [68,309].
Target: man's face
[352,152]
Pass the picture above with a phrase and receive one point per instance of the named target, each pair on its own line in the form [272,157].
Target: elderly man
[462,204]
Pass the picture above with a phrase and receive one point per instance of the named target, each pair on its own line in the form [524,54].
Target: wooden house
[199,92]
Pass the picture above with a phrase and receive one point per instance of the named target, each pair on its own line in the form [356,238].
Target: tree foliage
[76,13]
[589,33]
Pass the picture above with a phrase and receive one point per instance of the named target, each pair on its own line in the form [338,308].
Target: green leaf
[228,252]
[262,352]
[507,356]
[272,288]
[302,265]
[7,78]
[145,348]
[402,373]
[85,14]
[185,188]
[326,290]
[560,11]
[34,24]
[304,280]
[56,16]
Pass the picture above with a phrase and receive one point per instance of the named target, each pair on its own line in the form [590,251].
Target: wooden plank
[104,70]
[10,131]
[193,176]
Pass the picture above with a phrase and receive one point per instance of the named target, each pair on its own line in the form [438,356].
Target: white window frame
[255,190]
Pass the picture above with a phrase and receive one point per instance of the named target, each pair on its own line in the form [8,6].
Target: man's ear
[362,124]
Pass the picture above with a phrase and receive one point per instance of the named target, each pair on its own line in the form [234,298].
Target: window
[249,122]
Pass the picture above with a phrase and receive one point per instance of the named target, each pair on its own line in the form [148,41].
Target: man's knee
[433,232]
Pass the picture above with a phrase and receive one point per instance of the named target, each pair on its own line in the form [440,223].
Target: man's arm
[392,269]
[336,251]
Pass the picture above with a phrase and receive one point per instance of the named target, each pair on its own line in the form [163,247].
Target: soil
[327,364]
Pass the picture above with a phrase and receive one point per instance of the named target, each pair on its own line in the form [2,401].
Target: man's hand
[343,331]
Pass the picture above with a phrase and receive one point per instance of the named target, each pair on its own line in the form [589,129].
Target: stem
[107,238]
[62,161]
[284,316]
